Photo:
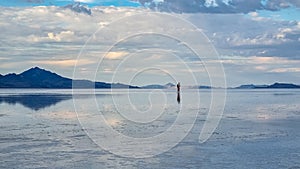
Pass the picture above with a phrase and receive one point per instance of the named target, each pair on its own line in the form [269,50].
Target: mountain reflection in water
[35,101]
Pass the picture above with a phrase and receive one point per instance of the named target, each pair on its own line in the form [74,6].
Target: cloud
[237,34]
[63,36]
[175,6]
[217,6]
[264,64]
[77,7]
[116,55]
[275,5]
[64,3]
[4,58]
[53,37]
[282,70]
[265,70]
[64,63]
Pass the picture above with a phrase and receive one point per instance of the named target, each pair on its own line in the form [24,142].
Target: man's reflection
[178,97]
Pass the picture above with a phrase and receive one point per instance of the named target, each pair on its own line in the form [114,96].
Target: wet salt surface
[259,129]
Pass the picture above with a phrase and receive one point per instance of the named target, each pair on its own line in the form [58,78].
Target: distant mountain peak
[284,85]
[169,85]
[37,68]
[273,86]
[278,83]
[158,86]
[34,68]
[40,78]
[11,74]
[37,71]
[247,86]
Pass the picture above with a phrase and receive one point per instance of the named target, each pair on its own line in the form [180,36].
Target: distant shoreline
[38,78]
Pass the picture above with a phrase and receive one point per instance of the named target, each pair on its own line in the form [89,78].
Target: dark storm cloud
[217,6]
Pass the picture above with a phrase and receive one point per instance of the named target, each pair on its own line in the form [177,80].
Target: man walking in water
[178,92]
[178,87]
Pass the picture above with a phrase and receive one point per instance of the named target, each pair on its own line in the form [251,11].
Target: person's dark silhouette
[178,87]
[178,92]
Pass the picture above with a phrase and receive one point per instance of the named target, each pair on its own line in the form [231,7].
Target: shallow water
[42,129]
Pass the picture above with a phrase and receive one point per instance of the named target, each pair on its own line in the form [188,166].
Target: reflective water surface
[42,128]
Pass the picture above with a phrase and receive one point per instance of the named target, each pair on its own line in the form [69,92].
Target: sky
[140,42]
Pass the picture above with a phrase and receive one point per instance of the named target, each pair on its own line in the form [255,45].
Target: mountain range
[272,86]
[41,78]
[157,86]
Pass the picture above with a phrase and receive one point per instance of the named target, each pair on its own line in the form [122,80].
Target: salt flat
[258,129]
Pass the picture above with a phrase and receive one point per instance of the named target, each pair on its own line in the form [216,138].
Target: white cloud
[64,63]
[243,35]
[219,6]
[283,70]
[116,55]
[62,36]
[54,36]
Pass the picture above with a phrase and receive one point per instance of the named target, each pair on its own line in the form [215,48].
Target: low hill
[272,86]
[41,78]
[157,86]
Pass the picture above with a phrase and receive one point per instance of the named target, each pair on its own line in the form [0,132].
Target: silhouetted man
[178,87]
[178,92]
